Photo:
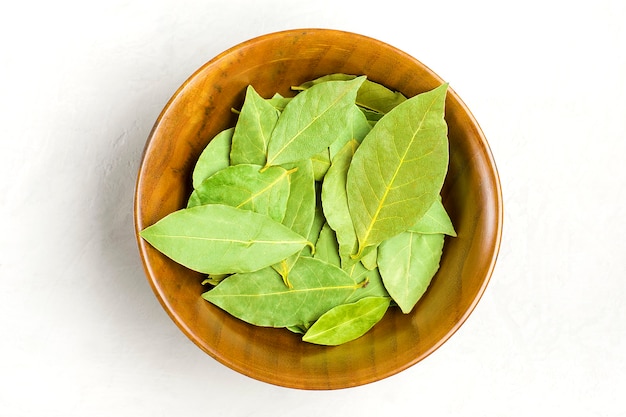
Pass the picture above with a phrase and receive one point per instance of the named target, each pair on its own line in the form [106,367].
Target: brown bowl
[272,63]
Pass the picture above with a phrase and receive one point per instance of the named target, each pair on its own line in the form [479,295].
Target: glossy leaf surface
[219,239]
[347,322]
[399,168]
[407,263]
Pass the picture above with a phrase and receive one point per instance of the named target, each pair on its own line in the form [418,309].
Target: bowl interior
[202,107]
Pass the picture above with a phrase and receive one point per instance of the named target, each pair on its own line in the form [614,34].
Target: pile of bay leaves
[316,213]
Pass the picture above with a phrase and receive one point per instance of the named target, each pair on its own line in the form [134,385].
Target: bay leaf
[300,212]
[324,78]
[407,264]
[357,128]
[321,163]
[297,329]
[369,258]
[398,170]
[261,297]
[311,120]
[370,280]
[335,202]
[347,322]
[378,98]
[219,239]
[214,157]
[254,127]
[318,221]
[434,221]
[214,279]
[372,96]
[279,102]
[327,248]
[244,186]
[371,116]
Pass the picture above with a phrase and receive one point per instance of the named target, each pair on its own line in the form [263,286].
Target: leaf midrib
[307,126]
[381,202]
[245,242]
[263,190]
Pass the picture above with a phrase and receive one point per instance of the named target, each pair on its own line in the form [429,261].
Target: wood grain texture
[471,194]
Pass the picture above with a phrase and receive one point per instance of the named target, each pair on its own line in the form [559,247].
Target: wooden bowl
[272,63]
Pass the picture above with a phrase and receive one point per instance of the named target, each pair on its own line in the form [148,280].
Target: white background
[81,84]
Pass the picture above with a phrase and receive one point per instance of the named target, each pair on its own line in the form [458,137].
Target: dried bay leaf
[214,157]
[407,263]
[347,322]
[254,127]
[318,221]
[261,297]
[372,283]
[321,163]
[378,98]
[300,211]
[327,248]
[219,239]
[398,170]
[311,120]
[370,257]
[372,96]
[335,202]
[279,102]
[358,127]
[434,221]
[244,186]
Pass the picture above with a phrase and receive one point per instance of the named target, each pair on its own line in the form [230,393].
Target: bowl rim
[489,161]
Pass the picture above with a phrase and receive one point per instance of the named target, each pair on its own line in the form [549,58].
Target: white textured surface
[81,84]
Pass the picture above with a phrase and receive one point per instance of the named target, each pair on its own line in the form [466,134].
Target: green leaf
[371,96]
[253,129]
[323,79]
[327,248]
[407,263]
[321,163]
[300,211]
[436,220]
[318,221]
[398,170]
[358,127]
[213,158]
[244,186]
[214,279]
[219,239]
[311,121]
[378,98]
[347,322]
[372,116]
[279,102]
[261,297]
[369,258]
[372,283]
[335,202]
